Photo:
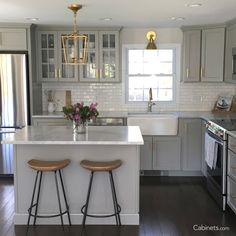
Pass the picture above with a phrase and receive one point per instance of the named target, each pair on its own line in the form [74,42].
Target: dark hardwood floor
[169,206]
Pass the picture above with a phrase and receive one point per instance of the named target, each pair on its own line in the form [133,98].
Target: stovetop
[227,124]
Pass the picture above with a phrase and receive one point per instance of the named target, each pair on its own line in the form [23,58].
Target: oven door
[216,178]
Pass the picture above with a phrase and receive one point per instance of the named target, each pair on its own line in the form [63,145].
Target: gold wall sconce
[75,46]
[151,36]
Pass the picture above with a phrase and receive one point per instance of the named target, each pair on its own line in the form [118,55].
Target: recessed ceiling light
[179,18]
[106,19]
[193,5]
[32,19]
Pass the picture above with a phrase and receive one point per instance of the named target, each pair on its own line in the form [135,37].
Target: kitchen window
[146,69]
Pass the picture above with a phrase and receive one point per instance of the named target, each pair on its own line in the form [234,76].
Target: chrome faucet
[150,102]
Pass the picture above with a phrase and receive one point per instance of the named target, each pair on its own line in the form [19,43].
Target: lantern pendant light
[75,46]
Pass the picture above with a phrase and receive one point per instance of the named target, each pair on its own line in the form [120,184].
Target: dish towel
[211,151]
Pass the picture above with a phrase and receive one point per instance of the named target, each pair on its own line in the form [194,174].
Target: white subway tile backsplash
[111,96]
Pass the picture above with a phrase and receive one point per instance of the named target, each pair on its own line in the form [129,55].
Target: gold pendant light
[151,36]
[75,46]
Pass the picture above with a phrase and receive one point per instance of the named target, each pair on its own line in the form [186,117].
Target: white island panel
[118,143]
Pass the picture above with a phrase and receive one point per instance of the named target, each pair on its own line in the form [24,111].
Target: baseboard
[76,219]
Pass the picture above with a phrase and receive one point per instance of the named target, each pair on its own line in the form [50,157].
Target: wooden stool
[101,166]
[40,167]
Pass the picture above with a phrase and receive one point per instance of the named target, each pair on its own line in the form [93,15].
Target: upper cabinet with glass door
[47,55]
[103,57]
[109,56]
[51,65]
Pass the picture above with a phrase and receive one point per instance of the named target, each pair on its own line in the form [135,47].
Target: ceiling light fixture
[193,5]
[151,36]
[106,19]
[32,19]
[179,18]
[75,46]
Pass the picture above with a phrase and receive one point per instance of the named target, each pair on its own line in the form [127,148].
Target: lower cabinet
[191,134]
[166,153]
[177,153]
[160,153]
[231,172]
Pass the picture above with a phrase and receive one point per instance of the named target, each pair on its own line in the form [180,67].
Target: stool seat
[101,166]
[48,165]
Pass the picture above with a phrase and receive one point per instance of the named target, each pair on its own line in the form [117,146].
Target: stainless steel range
[216,177]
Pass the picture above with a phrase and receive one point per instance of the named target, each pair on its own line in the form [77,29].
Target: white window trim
[177,62]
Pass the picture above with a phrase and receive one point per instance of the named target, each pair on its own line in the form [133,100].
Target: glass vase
[79,128]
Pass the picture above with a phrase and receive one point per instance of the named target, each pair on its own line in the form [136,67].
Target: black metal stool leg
[64,194]
[37,201]
[116,203]
[32,200]
[58,197]
[88,196]
[113,197]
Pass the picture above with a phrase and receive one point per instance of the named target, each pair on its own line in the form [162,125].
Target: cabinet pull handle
[187,72]
[55,76]
[100,73]
[0,38]
[202,72]
[59,73]
[96,73]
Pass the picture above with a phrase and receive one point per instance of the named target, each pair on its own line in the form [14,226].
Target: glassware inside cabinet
[44,56]
[51,41]
[112,41]
[44,43]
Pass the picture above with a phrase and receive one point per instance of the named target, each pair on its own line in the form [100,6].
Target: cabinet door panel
[13,39]
[192,44]
[146,154]
[191,132]
[109,56]
[90,72]
[212,62]
[47,56]
[166,153]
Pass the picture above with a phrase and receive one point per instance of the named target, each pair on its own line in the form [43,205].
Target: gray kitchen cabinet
[146,154]
[203,54]
[212,55]
[166,153]
[231,173]
[13,39]
[51,64]
[191,145]
[191,55]
[103,57]
[230,44]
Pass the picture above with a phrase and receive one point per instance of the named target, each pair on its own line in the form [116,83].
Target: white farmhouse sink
[155,124]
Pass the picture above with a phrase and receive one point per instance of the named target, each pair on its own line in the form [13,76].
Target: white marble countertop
[232,133]
[96,135]
[206,115]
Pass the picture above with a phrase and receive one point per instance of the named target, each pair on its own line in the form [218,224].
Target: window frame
[176,71]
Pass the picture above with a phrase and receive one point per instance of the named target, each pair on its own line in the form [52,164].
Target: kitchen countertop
[206,115]
[96,135]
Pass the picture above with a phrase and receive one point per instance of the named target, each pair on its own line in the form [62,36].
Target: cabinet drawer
[232,144]
[232,164]
[231,194]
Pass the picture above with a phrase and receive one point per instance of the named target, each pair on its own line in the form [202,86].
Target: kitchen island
[98,144]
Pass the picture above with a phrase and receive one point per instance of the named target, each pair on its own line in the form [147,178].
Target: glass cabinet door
[47,56]
[90,71]
[66,72]
[109,56]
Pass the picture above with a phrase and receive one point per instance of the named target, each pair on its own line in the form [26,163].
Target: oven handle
[218,140]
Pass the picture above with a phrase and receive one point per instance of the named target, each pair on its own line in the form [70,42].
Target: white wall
[190,96]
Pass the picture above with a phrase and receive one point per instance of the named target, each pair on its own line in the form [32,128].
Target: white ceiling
[126,13]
